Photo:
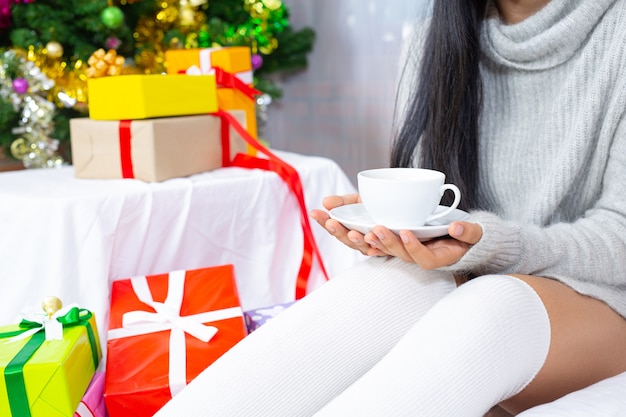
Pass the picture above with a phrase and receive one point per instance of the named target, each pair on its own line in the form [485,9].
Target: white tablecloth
[72,237]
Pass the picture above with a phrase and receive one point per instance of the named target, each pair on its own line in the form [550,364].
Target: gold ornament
[51,305]
[55,49]
[168,14]
[19,148]
[104,63]
[273,4]
[186,13]
[190,18]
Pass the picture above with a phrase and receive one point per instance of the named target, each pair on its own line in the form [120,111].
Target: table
[72,237]
[7,164]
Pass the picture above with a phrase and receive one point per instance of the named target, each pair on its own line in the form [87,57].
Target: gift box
[234,59]
[47,378]
[234,80]
[258,317]
[92,404]
[163,331]
[152,149]
[232,99]
[138,96]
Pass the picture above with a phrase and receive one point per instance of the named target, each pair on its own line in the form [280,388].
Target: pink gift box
[92,404]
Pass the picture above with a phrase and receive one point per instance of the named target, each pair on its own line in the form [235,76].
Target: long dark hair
[443,111]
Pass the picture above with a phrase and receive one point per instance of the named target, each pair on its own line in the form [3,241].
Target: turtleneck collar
[543,40]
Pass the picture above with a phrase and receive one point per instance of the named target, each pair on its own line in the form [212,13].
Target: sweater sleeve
[591,249]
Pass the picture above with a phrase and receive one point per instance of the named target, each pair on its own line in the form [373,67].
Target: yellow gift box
[153,149]
[136,96]
[55,377]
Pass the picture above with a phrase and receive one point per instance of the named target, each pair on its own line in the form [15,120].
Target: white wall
[342,105]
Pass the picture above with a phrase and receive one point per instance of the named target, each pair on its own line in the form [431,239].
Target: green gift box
[47,378]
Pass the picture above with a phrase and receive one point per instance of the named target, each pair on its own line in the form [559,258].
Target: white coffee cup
[404,198]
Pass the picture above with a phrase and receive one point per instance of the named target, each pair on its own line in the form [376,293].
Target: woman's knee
[505,312]
[500,296]
[506,308]
[588,340]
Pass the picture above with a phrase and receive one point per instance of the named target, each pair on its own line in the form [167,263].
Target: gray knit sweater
[553,148]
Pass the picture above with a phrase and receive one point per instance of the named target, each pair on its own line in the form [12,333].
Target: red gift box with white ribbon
[163,331]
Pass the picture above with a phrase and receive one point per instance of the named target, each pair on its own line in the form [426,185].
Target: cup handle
[455,203]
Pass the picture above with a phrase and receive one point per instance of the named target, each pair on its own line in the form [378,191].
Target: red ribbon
[272,163]
[125,136]
[229,80]
[292,179]
[225,130]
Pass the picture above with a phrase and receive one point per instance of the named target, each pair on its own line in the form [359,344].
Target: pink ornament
[6,20]
[5,14]
[20,85]
[112,42]
[257,61]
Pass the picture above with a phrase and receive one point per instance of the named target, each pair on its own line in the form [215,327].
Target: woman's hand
[350,238]
[430,254]
[383,242]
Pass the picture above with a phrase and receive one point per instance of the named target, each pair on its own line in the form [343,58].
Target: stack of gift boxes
[163,329]
[162,126]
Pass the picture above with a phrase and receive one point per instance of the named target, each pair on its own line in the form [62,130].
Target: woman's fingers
[419,253]
[442,252]
[333,201]
[387,242]
[350,238]
[362,243]
[406,246]
[430,254]
[320,216]
[466,232]
[437,252]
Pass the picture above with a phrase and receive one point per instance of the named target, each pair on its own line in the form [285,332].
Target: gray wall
[341,106]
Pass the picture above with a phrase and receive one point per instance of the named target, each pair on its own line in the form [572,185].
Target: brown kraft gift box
[156,149]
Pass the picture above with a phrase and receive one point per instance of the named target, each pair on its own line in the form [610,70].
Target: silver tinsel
[33,145]
[263,103]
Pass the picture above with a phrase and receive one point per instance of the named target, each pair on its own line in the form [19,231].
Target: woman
[521,103]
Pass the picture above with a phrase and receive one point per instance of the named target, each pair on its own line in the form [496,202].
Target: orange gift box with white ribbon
[232,66]
[163,331]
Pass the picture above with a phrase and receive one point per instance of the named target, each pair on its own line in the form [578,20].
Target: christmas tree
[46,45]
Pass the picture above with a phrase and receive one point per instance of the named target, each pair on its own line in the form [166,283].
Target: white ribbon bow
[52,328]
[206,67]
[167,317]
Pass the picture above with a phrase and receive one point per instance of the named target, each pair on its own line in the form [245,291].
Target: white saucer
[354,217]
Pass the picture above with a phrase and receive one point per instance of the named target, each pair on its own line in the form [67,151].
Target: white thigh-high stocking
[301,359]
[479,345]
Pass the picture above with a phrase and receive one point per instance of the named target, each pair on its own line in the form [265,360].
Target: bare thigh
[588,344]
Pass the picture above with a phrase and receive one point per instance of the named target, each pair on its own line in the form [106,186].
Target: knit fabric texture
[553,148]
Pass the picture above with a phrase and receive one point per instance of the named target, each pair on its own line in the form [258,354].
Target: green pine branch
[77,26]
